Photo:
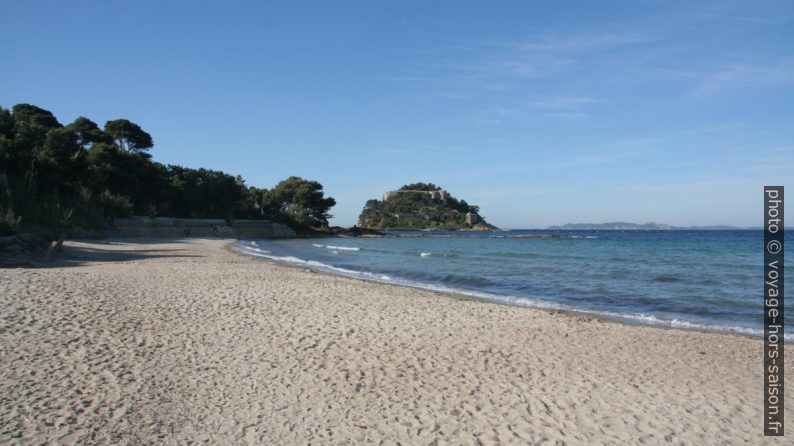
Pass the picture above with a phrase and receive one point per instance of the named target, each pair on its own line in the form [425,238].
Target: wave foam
[343,248]
[637,318]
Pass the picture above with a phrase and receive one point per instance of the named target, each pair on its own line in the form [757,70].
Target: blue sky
[540,112]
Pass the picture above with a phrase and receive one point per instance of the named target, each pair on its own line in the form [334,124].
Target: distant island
[623,226]
[421,206]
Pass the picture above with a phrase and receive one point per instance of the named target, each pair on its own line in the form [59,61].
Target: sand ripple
[168,342]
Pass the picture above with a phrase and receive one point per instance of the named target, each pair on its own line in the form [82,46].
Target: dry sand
[172,342]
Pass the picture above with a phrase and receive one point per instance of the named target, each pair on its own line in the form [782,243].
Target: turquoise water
[687,279]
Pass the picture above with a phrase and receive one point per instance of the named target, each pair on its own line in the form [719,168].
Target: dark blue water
[689,279]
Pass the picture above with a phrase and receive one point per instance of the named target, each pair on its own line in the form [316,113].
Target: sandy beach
[182,341]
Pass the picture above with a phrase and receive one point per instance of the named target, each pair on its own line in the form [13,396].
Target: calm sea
[688,279]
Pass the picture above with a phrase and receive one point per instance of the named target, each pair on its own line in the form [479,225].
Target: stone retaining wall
[187,227]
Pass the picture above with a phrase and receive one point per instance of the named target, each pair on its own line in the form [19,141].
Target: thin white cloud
[745,75]
[567,117]
[562,102]
[599,59]
[499,65]
[551,43]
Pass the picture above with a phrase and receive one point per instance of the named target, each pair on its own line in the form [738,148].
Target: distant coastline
[624,226]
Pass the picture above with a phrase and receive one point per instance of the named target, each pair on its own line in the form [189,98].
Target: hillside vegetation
[55,176]
[413,207]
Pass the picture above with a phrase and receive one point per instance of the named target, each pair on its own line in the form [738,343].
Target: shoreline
[462,296]
[184,340]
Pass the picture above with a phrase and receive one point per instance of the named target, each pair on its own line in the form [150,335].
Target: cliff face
[421,206]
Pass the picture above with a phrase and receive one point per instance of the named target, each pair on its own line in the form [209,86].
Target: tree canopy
[413,208]
[128,135]
[420,186]
[54,176]
[302,200]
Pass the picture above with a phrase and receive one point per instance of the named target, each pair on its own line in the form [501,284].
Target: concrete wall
[438,194]
[188,227]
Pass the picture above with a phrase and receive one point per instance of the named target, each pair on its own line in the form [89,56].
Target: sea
[703,280]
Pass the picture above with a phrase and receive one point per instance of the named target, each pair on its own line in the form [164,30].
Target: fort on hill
[439,194]
[421,206]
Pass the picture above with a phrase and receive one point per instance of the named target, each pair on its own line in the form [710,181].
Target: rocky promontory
[422,206]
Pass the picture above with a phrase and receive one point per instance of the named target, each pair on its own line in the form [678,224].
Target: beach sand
[175,341]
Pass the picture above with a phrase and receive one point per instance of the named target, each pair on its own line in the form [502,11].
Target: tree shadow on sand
[99,251]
